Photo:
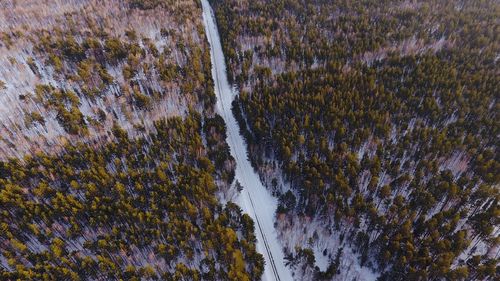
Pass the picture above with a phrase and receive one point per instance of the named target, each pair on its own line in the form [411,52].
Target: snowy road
[255,200]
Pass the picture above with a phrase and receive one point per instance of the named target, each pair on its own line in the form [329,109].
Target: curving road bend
[255,199]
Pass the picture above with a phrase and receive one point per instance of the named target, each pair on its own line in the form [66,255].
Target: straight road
[255,200]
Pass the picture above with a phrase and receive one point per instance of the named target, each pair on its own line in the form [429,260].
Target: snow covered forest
[358,140]
[376,124]
[113,160]
[72,68]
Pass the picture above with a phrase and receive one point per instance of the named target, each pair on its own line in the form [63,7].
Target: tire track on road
[266,244]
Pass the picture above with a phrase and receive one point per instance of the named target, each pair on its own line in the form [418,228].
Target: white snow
[322,261]
[319,235]
[255,198]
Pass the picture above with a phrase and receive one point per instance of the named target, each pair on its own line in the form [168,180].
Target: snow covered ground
[23,66]
[255,198]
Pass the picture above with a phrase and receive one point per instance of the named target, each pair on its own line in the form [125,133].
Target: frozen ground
[255,198]
[23,66]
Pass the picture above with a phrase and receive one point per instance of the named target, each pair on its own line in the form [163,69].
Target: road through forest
[255,199]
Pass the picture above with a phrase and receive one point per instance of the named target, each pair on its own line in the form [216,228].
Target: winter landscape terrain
[249,140]
[254,199]
[371,124]
[64,44]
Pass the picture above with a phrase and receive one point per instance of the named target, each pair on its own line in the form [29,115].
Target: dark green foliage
[343,93]
[65,103]
[33,117]
[218,152]
[286,203]
[76,215]
[72,49]
[142,101]
[115,50]
[145,4]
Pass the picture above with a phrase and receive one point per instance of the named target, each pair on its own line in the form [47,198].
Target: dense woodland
[141,209]
[133,190]
[379,119]
[375,123]
[126,61]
